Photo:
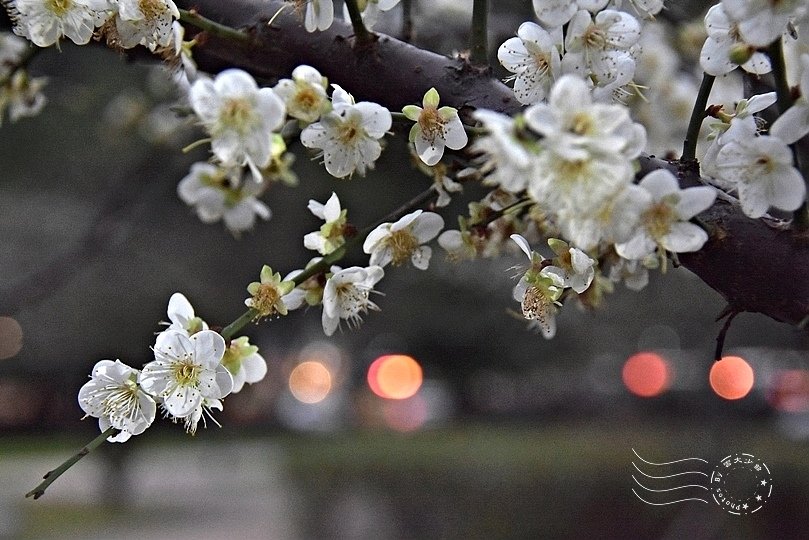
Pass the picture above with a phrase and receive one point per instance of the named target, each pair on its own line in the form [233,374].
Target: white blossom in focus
[600,46]
[724,49]
[760,22]
[304,94]
[330,236]
[45,22]
[182,317]
[113,396]
[404,240]
[244,363]
[760,168]
[664,223]
[558,12]
[434,128]
[533,56]
[239,116]
[538,292]
[574,267]
[349,134]
[145,22]
[346,295]
[268,295]
[319,15]
[186,371]
[216,195]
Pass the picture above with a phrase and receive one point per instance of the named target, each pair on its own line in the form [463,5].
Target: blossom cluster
[124,23]
[193,370]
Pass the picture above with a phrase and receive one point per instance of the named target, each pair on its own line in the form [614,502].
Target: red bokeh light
[395,376]
[647,374]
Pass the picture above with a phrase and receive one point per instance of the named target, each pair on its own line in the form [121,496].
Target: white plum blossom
[239,116]
[664,222]
[736,126]
[404,240]
[45,22]
[587,148]
[434,128]
[591,44]
[346,295]
[538,291]
[113,396]
[793,124]
[186,371]
[760,22]
[349,134]
[182,317]
[217,195]
[646,9]
[304,94]
[724,49]
[244,363]
[505,161]
[145,22]
[268,295]
[558,12]
[574,267]
[533,57]
[760,168]
[330,236]
[12,49]
[22,96]
[319,15]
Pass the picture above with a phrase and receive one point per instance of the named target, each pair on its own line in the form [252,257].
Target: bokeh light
[789,391]
[310,382]
[647,374]
[395,376]
[10,337]
[731,377]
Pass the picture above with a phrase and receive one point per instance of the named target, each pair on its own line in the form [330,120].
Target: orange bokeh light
[310,382]
[731,377]
[647,374]
[395,376]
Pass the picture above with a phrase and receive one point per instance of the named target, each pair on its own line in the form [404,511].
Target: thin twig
[213,28]
[51,476]
[360,32]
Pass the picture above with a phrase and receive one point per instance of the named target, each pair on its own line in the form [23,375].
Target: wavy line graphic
[668,462]
[670,475]
[670,502]
[669,489]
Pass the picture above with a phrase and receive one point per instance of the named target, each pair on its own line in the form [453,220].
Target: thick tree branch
[386,71]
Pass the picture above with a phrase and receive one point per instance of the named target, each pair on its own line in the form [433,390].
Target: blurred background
[441,417]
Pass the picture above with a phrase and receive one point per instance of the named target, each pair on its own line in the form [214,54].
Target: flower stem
[212,27]
[800,218]
[697,115]
[478,44]
[51,476]
[360,32]
[228,331]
